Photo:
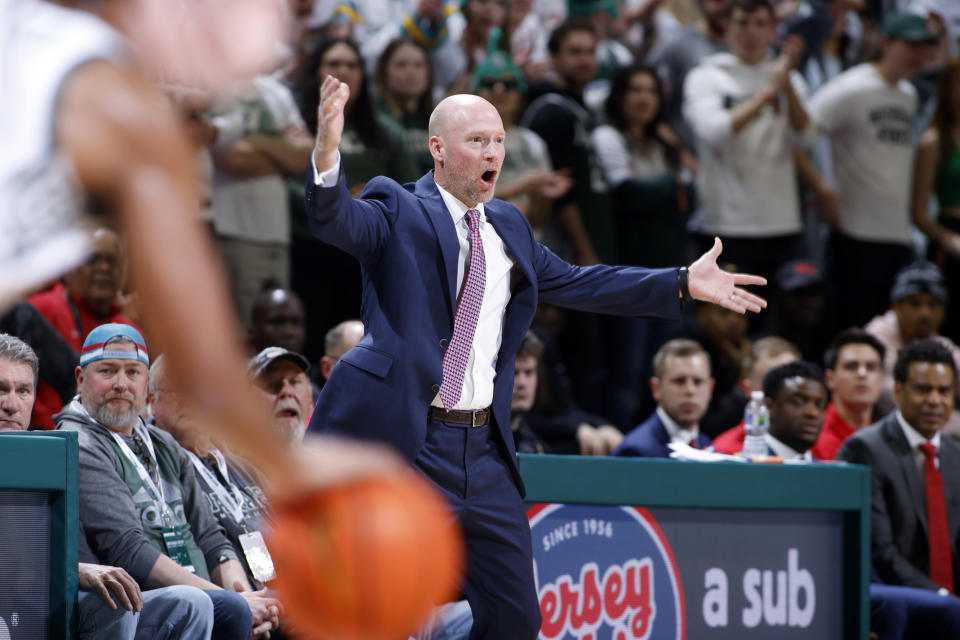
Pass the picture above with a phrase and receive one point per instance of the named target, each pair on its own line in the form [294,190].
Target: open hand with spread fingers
[710,283]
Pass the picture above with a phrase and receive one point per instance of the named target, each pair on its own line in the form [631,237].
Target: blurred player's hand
[206,43]
[323,461]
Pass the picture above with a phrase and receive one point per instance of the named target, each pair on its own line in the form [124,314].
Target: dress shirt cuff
[329,177]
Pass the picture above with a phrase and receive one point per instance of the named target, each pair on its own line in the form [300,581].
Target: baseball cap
[799,274]
[95,346]
[919,277]
[258,363]
[907,26]
[497,66]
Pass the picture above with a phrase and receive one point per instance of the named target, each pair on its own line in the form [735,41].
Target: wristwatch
[683,278]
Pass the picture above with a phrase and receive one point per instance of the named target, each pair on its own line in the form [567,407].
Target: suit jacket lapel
[661,436]
[950,470]
[908,466]
[511,237]
[439,217]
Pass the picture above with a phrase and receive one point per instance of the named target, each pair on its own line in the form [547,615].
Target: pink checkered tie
[465,322]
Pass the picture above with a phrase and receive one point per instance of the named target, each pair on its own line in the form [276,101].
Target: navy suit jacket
[899,545]
[650,440]
[406,243]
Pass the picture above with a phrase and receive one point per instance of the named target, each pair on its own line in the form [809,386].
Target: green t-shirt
[151,520]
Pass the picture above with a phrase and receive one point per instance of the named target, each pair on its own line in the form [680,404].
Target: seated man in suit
[681,385]
[796,394]
[916,474]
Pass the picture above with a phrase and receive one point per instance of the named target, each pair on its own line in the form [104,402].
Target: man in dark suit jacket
[433,378]
[902,539]
[682,386]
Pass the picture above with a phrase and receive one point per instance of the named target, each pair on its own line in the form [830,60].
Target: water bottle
[756,421]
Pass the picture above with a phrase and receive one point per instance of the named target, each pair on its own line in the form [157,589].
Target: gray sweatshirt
[122,524]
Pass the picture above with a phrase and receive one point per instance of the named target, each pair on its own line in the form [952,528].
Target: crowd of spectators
[816,138]
[819,139]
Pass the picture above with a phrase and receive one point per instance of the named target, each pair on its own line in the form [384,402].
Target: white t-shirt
[254,208]
[870,125]
[747,180]
[621,161]
[42,219]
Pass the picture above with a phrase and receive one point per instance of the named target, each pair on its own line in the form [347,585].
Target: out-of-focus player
[83,129]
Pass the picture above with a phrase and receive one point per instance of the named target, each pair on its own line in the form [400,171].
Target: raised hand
[333,98]
[710,283]
[791,51]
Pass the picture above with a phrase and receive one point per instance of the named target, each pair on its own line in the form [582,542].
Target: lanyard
[156,492]
[226,491]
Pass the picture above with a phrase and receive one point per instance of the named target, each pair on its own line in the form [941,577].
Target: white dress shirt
[677,434]
[786,451]
[914,439]
[481,366]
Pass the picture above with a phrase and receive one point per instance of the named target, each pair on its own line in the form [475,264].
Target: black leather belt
[475,418]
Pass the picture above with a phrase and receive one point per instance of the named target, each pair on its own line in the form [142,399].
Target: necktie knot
[928,450]
[473,219]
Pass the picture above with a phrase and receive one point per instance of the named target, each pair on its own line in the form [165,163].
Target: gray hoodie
[122,523]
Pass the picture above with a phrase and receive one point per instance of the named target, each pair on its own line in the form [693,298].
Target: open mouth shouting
[489,177]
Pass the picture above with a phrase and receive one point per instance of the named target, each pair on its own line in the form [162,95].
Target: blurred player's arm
[131,156]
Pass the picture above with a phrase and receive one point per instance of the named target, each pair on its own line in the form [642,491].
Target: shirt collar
[914,439]
[456,208]
[785,451]
[674,431]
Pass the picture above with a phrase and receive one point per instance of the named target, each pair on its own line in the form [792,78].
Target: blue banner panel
[623,573]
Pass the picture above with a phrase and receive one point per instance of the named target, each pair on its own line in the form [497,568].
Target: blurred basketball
[367,560]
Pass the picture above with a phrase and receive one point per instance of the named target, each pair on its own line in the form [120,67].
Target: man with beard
[110,603]
[140,504]
[682,386]
[282,376]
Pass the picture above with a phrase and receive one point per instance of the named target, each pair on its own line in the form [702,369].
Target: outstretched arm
[710,283]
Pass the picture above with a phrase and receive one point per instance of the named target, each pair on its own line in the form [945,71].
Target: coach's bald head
[466,142]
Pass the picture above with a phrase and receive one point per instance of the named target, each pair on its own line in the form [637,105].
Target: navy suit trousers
[909,613]
[468,466]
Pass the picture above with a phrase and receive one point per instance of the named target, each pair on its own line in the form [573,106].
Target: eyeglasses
[490,84]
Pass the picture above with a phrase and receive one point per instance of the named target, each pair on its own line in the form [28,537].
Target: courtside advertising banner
[625,573]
